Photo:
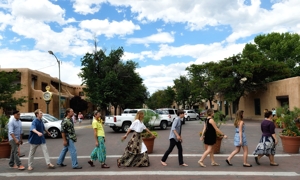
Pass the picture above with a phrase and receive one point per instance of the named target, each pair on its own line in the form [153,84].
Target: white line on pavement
[149,173]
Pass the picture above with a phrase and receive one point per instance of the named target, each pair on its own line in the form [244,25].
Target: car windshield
[50,118]
[158,111]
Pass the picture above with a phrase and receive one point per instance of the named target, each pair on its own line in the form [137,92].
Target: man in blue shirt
[15,140]
[37,138]
[175,139]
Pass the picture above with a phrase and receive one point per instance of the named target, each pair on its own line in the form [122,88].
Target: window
[26,118]
[257,106]
[35,106]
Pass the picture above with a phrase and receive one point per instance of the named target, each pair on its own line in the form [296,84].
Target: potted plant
[219,119]
[147,137]
[4,144]
[290,135]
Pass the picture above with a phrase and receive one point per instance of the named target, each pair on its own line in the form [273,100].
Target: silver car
[52,124]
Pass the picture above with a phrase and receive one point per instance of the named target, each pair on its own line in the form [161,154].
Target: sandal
[118,163]
[215,164]
[51,166]
[105,166]
[274,164]
[185,165]
[29,168]
[163,163]
[91,163]
[201,164]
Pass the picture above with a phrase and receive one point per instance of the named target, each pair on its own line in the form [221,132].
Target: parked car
[191,114]
[170,113]
[202,114]
[52,124]
[124,121]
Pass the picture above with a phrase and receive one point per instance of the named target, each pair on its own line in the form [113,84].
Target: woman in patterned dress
[136,151]
[99,151]
[268,141]
[239,139]
[209,134]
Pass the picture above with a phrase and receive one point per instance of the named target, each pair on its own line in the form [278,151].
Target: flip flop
[215,164]
[29,168]
[274,164]
[185,165]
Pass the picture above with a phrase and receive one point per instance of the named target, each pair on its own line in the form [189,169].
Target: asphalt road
[192,150]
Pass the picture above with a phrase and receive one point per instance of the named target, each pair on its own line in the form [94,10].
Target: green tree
[8,87]
[161,98]
[280,47]
[109,80]
[240,74]
[201,77]
[184,95]
[78,104]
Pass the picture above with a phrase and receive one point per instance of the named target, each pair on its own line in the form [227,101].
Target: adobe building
[34,85]
[277,94]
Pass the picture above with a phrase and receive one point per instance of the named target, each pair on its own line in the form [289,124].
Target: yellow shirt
[97,124]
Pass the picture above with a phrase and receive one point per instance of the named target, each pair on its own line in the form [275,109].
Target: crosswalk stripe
[150,173]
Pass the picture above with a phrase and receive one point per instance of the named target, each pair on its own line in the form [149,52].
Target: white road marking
[151,173]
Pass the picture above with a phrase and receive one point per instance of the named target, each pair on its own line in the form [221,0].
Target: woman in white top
[135,152]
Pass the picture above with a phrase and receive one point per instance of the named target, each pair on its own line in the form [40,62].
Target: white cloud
[87,6]
[109,29]
[41,10]
[161,37]
[15,39]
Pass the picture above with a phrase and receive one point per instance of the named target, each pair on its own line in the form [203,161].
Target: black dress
[210,133]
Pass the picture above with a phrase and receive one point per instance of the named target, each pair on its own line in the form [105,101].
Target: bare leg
[208,150]
[234,152]
[245,155]
[271,157]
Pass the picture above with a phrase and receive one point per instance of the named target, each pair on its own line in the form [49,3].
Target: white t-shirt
[137,126]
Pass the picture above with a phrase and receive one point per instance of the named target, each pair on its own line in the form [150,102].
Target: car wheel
[197,118]
[116,129]
[163,125]
[54,132]
[125,126]
[188,118]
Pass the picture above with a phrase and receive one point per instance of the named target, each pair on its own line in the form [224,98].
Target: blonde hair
[238,118]
[139,115]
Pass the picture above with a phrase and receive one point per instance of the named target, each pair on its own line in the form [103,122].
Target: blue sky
[163,37]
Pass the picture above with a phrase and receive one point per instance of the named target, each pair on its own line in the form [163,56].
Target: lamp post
[59,95]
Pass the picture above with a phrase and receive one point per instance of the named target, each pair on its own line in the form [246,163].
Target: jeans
[71,147]
[14,156]
[173,142]
[32,152]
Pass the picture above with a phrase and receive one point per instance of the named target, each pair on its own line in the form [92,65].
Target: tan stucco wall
[35,94]
[287,87]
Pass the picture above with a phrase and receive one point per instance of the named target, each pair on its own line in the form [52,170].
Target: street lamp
[59,95]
